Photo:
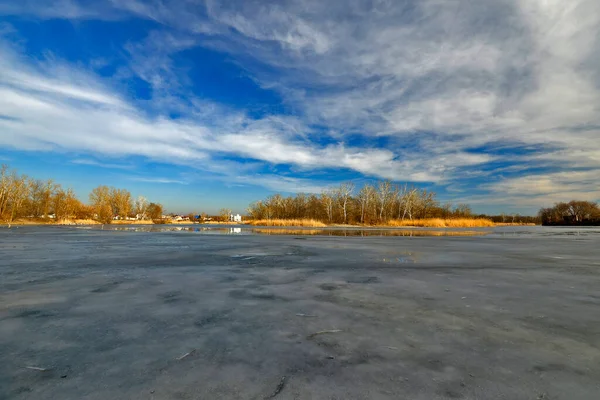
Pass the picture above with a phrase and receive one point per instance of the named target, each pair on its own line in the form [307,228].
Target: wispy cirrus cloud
[157,180]
[279,183]
[532,191]
[50,108]
[95,163]
[70,9]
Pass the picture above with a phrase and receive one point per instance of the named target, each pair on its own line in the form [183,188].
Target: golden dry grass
[276,231]
[288,222]
[77,222]
[132,222]
[514,224]
[225,223]
[360,232]
[442,223]
[94,222]
[428,223]
[48,221]
[27,221]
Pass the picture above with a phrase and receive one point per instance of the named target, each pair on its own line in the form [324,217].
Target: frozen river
[192,312]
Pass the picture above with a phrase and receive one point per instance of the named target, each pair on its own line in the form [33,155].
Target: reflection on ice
[212,230]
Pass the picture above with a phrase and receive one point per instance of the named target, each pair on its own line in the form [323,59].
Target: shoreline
[249,226]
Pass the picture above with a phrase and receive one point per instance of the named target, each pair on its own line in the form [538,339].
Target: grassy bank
[514,224]
[77,222]
[421,223]
[48,221]
[313,223]
[308,223]
[136,222]
[442,223]
[225,223]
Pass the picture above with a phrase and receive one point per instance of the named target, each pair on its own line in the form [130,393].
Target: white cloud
[549,184]
[537,190]
[157,180]
[278,183]
[291,31]
[49,108]
[95,163]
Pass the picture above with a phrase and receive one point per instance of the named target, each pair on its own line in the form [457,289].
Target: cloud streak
[56,112]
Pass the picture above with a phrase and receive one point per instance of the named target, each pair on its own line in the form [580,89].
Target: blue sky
[205,104]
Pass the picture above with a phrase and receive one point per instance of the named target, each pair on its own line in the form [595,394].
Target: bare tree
[446,210]
[64,203]
[462,210]
[401,194]
[5,186]
[155,211]
[141,207]
[366,196]
[258,210]
[48,190]
[384,191]
[37,197]
[582,210]
[343,194]
[409,201]
[314,207]
[299,203]
[19,187]
[225,214]
[100,200]
[327,202]
[120,200]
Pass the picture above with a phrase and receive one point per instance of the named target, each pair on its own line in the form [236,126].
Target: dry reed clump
[515,224]
[299,232]
[442,223]
[24,221]
[132,222]
[361,232]
[288,222]
[77,222]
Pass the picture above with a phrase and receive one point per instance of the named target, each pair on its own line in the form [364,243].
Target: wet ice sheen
[296,231]
[514,231]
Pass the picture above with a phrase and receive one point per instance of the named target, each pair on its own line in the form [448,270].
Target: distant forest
[25,197]
[371,204]
[576,213]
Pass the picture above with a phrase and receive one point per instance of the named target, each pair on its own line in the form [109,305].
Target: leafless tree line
[109,203]
[574,212]
[371,204]
[24,197]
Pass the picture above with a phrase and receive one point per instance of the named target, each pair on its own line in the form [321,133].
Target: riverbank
[293,223]
[395,223]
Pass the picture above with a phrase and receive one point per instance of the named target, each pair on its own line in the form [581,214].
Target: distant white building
[235,218]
